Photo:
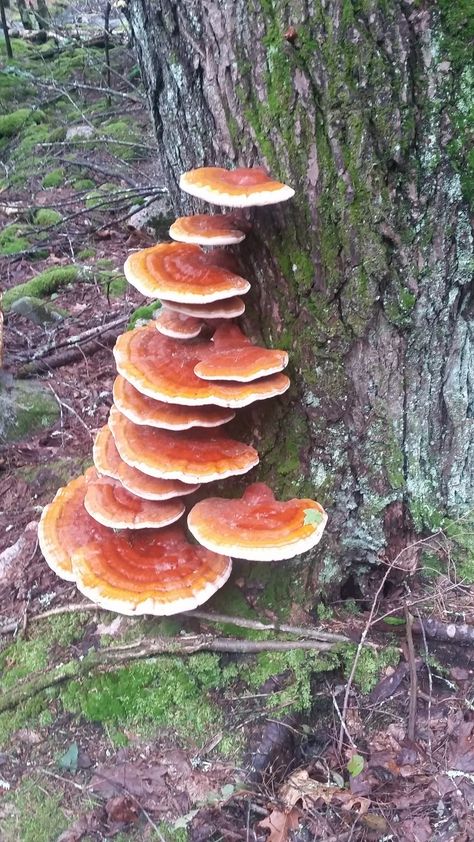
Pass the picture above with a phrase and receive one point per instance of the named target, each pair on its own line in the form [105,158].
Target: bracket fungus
[177,325]
[142,409]
[109,463]
[148,572]
[240,188]
[163,369]
[109,531]
[191,456]
[202,229]
[182,272]
[258,527]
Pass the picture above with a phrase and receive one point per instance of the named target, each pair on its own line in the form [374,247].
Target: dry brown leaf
[300,787]
[280,824]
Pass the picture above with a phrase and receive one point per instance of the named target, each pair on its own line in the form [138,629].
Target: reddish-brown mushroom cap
[257,527]
[149,572]
[229,308]
[108,502]
[191,456]
[163,369]
[234,357]
[240,188]
[65,525]
[167,416]
[205,230]
[183,273]
[177,325]
[108,462]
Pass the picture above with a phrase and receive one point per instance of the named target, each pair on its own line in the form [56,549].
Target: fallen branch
[68,356]
[80,337]
[413,676]
[113,658]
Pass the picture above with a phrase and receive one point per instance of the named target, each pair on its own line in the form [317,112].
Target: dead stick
[304,631]
[80,337]
[114,658]
[413,676]
[68,356]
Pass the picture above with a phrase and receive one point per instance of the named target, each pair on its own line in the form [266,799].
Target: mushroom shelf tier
[118,532]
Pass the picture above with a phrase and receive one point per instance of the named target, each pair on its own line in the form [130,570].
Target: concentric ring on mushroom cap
[108,502]
[183,273]
[167,416]
[65,525]
[203,229]
[149,572]
[229,308]
[191,456]
[163,369]
[108,462]
[177,325]
[240,188]
[232,356]
[257,527]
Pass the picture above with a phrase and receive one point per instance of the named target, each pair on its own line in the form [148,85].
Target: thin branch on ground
[70,355]
[413,676]
[79,338]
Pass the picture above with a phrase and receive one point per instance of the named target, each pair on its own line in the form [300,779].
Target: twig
[70,409]
[68,356]
[302,631]
[80,337]
[79,162]
[113,658]
[413,676]
[358,653]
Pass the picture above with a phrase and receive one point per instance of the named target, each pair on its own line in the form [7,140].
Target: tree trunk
[363,276]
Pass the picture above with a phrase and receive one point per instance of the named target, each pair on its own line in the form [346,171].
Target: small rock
[79,132]
[25,408]
[36,310]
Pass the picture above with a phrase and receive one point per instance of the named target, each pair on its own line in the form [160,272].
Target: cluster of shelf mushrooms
[117,531]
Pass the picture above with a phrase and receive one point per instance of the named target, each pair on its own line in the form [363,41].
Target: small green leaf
[355,765]
[69,760]
[394,621]
[312,517]
[227,790]
[183,821]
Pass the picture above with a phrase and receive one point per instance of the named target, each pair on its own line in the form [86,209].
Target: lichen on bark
[363,277]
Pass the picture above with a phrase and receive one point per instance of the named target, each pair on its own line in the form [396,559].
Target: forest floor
[333,739]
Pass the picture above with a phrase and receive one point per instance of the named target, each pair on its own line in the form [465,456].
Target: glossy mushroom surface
[108,502]
[191,456]
[257,527]
[108,462]
[229,308]
[149,572]
[142,409]
[65,525]
[163,369]
[177,325]
[233,356]
[182,272]
[240,188]
[206,230]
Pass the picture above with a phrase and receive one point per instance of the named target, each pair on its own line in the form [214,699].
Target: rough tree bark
[364,277]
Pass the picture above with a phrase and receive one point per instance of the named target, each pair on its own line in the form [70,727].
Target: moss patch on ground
[35,814]
[43,285]
[46,217]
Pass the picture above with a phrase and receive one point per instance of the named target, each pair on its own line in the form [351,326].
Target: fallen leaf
[70,759]
[279,824]
[122,810]
[355,765]
[462,754]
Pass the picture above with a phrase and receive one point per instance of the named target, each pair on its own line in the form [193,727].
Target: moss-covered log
[363,277]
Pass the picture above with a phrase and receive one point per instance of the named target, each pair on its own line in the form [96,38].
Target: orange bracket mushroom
[202,229]
[154,571]
[183,273]
[233,356]
[258,527]
[240,188]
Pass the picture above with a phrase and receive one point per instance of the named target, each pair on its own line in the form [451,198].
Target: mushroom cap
[234,357]
[163,369]
[149,572]
[177,325]
[240,188]
[65,525]
[203,229]
[257,527]
[108,462]
[229,308]
[191,456]
[167,416]
[183,273]
[108,502]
